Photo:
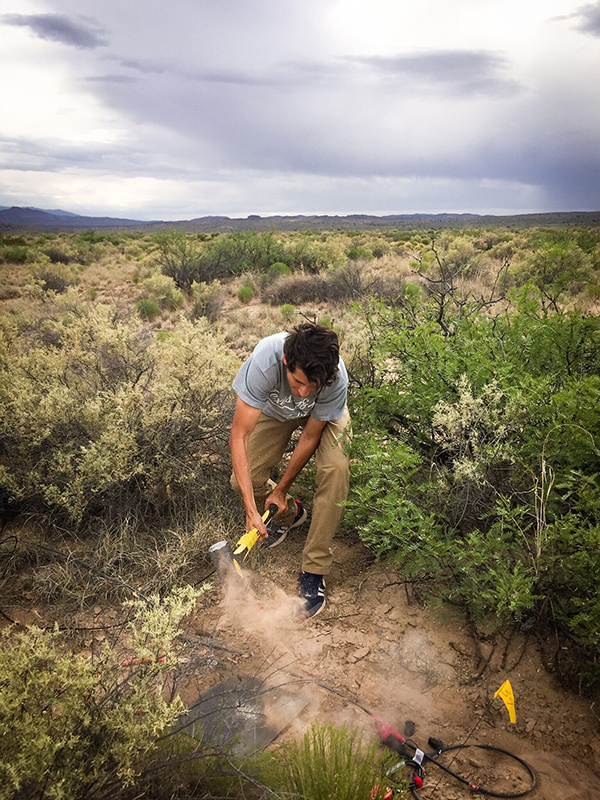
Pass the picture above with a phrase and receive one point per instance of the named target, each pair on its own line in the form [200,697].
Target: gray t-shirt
[262,383]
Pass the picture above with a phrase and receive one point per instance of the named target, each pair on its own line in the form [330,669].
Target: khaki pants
[266,446]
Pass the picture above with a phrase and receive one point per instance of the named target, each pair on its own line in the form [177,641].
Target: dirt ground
[405,663]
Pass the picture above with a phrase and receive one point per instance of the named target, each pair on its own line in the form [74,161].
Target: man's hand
[277,498]
[254,520]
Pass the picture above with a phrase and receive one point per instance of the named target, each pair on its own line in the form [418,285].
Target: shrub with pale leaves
[96,411]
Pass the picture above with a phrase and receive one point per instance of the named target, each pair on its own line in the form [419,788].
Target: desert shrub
[246,291]
[98,415]
[236,253]
[170,552]
[207,300]
[295,290]
[101,237]
[147,309]
[348,283]
[9,292]
[331,764]
[75,727]
[337,286]
[163,291]
[358,253]
[593,291]
[557,270]
[6,239]
[278,269]
[15,255]
[474,440]
[59,255]
[179,257]
[309,254]
[54,277]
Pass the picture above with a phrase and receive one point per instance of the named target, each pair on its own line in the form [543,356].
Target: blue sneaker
[277,533]
[312,592]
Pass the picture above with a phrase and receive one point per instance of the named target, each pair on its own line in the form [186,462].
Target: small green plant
[147,309]
[287,311]
[332,764]
[325,321]
[92,293]
[246,291]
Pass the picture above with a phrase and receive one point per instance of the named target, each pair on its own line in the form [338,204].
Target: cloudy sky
[170,110]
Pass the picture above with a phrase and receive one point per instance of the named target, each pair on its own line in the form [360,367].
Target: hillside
[31,219]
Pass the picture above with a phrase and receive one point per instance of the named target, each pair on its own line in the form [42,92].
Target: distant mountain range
[56,219]
[29,218]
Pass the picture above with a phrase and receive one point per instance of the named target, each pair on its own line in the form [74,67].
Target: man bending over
[295,380]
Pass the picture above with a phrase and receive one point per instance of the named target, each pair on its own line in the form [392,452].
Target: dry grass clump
[113,557]
[354,281]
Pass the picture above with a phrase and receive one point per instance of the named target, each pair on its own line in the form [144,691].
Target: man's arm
[244,422]
[306,446]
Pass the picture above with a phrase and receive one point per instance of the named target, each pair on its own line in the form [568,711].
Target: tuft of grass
[157,560]
[287,311]
[330,763]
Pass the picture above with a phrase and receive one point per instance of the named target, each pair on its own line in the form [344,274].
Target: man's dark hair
[316,350]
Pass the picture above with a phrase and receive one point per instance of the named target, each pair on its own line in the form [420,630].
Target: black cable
[417,771]
[495,749]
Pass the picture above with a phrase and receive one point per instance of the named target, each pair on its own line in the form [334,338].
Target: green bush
[332,764]
[356,253]
[74,727]
[278,269]
[15,255]
[474,439]
[98,415]
[287,311]
[148,309]
[179,257]
[246,292]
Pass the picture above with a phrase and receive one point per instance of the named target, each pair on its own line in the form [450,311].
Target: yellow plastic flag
[506,693]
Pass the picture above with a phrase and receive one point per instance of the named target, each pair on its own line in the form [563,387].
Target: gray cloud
[283,74]
[461,71]
[40,155]
[58,28]
[589,16]
[110,79]
[259,100]
[144,65]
